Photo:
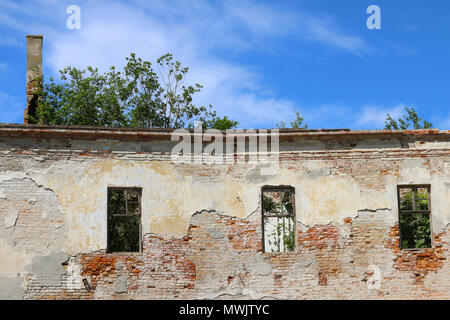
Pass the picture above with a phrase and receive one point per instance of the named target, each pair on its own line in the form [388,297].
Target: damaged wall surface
[202,223]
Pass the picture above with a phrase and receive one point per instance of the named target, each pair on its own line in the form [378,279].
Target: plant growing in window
[124,220]
[278,211]
[414,216]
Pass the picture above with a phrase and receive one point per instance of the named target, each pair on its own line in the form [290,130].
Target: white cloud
[194,32]
[326,31]
[10,42]
[443,123]
[339,116]
[12,108]
[335,116]
[375,116]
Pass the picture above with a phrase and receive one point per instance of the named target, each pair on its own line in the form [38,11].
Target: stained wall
[201,223]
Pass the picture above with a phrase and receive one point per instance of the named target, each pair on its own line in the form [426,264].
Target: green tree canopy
[220,123]
[411,119]
[137,96]
[296,124]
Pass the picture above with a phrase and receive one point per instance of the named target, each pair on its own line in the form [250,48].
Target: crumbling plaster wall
[53,205]
[171,194]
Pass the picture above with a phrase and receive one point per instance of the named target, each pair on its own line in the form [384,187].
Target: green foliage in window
[124,234]
[415,228]
[284,232]
[123,221]
[415,231]
[270,205]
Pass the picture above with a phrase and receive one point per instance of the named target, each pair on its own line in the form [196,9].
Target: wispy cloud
[11,42]
[375,116]
[325,30]
[443,123]
[12,107]
[400,49]
[195,32]
[339,115]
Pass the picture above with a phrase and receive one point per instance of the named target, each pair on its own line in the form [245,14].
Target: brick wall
[53,236]
[221,257]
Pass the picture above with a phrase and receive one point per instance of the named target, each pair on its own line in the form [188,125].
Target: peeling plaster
[72,190]
[11,288]
[11,217]
[36,227]
[321,196]
[48,269]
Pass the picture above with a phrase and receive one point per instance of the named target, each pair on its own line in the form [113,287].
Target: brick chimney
[34,72]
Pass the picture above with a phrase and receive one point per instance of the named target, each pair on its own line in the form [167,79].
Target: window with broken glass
[124,220]
[278,212]
[414,216]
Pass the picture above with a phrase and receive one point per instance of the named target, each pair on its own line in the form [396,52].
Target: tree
[134,97]
[405,122]
[296,124]
[84,98]
[415,228]
[220,123]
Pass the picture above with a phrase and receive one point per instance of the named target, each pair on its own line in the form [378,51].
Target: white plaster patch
[373,277]
[11,217]
[74,279]
[12,260]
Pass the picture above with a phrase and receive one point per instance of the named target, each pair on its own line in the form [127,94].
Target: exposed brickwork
[418,261]
[242,235]
[319,237]
[209,261]
[33,101]
[35,223]
[345,250]
[34,72]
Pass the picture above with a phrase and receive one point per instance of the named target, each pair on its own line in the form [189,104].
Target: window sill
[290,253]
[416,249]
[123,253]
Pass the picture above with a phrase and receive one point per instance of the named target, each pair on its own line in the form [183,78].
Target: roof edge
[163,133]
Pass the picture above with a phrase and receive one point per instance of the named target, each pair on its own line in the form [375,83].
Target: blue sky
[258,61]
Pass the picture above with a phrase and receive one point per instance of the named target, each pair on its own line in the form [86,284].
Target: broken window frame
[282,189]
[124,189]
[414,188]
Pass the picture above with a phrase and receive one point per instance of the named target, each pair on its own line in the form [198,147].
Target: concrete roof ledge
[121,133]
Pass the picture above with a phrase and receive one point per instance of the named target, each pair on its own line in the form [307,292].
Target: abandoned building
[105,213]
